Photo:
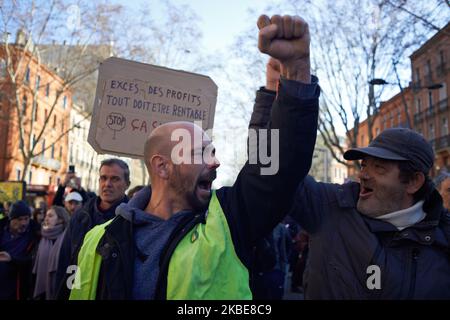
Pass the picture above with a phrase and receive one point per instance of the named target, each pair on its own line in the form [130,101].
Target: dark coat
[15,276]
[414,262]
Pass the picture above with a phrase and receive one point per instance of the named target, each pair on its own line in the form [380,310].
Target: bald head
[160,140]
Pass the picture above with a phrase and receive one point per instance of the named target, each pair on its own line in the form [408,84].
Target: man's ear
[160,166]
[416,183]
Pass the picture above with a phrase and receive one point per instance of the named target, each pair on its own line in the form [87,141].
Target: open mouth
[204,185]
[365,192]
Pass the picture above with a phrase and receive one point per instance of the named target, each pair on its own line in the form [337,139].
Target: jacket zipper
[412,286]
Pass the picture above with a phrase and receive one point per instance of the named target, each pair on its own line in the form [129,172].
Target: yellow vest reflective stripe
[204,264]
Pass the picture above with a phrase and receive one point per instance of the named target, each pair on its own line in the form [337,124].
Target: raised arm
[258,201]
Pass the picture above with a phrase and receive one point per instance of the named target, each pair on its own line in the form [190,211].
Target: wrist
[272,85]
[298,70]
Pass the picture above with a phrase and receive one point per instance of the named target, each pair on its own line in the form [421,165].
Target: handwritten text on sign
[130,104]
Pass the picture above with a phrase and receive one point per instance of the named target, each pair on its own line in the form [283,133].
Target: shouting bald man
[182,240]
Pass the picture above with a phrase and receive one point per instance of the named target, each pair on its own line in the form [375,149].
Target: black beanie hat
[18,209]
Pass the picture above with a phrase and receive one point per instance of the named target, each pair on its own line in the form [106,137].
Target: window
[362,140]
[441,58]
[62,126]
[64,102]
[60,153]
[428,70]
[54,121]
[444,127]
[30,176]
[47,90]
[46,115]
[2,68]
[431,131]
[399,117]
[384,121]
[24,104]
[377,131]
[34,140]
[418,105]
[417,76]
[50,180]
[18,174]
[392,119]
[52,154]
[27,75]
[430,99]
[36,111]
[38,82]
[43,147]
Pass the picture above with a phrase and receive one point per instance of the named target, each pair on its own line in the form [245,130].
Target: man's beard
[187,190]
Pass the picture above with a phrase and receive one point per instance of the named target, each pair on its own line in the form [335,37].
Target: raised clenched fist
[287,39]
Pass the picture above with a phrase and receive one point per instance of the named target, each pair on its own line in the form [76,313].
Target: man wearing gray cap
[386,237]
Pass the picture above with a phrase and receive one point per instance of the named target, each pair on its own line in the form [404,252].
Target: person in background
[72,183]
[6,207]
[442,183]
[270,265]
[114,180]
[72,202]
[18,237]
[38,216]
[46,262]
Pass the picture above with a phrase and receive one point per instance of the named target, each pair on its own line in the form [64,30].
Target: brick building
[36,88]
[424,101]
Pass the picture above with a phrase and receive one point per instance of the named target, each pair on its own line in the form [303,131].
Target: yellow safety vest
[204,264]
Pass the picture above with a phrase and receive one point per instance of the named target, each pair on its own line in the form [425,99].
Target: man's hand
[76,180]
[272,74]
[286,39]
[4,256]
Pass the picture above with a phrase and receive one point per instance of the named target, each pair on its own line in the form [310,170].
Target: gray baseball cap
[399,144]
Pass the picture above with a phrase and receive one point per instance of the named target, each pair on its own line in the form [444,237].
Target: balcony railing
[437,108]
[47,162]
[441,143]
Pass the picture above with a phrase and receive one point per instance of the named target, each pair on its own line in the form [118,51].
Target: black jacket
[253,205]
[81,222]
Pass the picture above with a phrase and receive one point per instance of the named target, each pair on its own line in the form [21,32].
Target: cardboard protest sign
[133,98]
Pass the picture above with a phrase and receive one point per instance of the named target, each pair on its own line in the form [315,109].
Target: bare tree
[39,25]
[353,42]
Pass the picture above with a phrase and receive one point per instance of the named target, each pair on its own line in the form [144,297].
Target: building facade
[430,89]
[424,102]
[34,117]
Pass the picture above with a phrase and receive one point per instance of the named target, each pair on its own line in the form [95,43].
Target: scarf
[46,262]
[405,218]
